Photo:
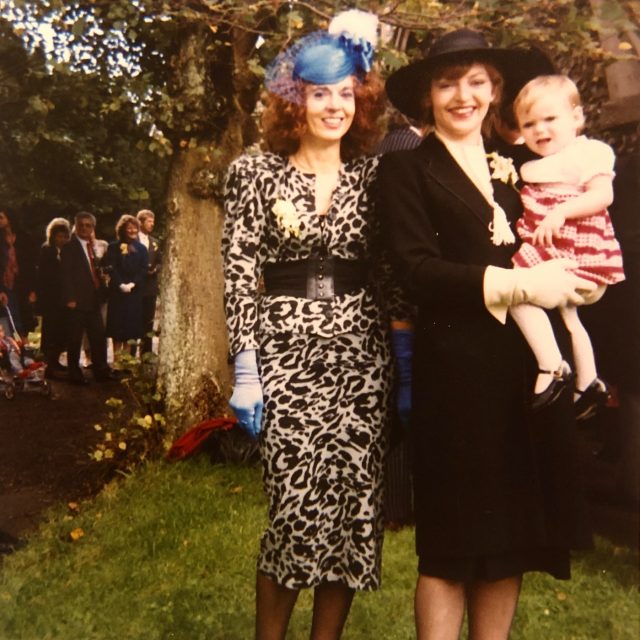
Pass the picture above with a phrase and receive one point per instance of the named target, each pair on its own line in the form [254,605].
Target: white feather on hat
[356,23]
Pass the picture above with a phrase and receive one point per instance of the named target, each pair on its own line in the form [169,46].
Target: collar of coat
[441,167]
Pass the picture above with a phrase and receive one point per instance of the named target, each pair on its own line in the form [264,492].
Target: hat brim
[406,86]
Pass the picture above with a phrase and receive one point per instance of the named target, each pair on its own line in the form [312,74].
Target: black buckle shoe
[592,399]
[562,376]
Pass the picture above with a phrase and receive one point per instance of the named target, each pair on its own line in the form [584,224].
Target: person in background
[618,351]
[566,194]
[150,290]
[127,262]
[83,292]
[53,340]
[311,355]
[17,275]
[398,500]
[497,491]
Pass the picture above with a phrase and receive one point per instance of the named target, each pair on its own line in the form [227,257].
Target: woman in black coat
[126,263]
[495,487]
[50,298]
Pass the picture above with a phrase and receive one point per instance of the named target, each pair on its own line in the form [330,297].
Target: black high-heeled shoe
[591,399]
[562,376]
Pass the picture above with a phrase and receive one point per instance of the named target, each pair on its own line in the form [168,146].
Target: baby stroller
[31,373]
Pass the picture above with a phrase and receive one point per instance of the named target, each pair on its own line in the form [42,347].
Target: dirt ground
[44,461]
[44,453]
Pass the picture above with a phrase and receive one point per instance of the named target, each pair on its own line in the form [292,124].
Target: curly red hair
[284,122]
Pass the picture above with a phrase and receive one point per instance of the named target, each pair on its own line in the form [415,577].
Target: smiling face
[459,105]
[131,231]
[549,124]
[329,110]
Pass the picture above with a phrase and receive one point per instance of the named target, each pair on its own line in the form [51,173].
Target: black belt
[317,277]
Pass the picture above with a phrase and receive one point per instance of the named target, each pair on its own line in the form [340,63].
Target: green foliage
[134,429]
[96,130]
[62,149]
[170,553]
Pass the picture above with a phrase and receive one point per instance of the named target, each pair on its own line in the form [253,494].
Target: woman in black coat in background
[50,299]
[496,487]
[126,263]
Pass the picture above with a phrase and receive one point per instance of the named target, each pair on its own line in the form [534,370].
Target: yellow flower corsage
[124,248]
[503,169]
[287,216]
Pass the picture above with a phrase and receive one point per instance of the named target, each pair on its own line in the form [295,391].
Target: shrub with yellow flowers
[134,428]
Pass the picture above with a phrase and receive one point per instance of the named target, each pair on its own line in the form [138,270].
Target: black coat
[49,280]
[489,479]
[150,287]
[77,282]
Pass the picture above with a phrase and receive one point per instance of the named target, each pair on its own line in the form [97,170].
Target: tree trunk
[193,371]
[193,375]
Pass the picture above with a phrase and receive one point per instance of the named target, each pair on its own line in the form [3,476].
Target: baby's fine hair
[559,84]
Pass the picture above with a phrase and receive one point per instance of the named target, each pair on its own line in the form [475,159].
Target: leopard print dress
[325,370]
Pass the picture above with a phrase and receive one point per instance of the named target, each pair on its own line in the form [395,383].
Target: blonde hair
[560,85]
[144,214]
[57,225]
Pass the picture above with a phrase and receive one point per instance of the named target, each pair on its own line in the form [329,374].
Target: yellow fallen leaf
[74,506]
[76,534]
[561,596]
[625,46]
[237,489]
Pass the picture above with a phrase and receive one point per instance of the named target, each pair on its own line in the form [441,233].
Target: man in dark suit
[82,293]
[146,218]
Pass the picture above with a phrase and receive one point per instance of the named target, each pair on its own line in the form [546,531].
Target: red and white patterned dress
[589,240]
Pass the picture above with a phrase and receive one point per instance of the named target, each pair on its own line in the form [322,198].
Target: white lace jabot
[472,159]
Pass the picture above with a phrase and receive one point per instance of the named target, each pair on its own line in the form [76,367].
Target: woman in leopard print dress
[308,333]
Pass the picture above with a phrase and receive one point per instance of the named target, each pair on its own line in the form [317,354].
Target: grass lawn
[169,554]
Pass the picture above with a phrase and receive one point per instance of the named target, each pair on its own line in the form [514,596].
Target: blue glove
[402,347]
[246,400]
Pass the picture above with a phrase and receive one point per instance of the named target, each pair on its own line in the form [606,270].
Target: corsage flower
[124,248]
[503,169]
[287,216]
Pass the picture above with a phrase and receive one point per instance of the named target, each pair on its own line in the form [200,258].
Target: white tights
[537,330]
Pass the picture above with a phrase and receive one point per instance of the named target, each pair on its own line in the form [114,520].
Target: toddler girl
[565,197]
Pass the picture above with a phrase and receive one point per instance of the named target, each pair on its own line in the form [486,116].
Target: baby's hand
[548,229]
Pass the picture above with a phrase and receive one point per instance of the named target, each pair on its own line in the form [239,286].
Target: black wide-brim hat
[406,86]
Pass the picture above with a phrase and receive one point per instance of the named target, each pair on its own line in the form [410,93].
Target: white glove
[549,285]
[247,401]
[126,288]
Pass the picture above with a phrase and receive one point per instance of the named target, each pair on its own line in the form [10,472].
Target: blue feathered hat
[325,57]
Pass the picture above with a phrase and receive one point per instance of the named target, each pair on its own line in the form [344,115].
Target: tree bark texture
[194,375]
[193,370]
